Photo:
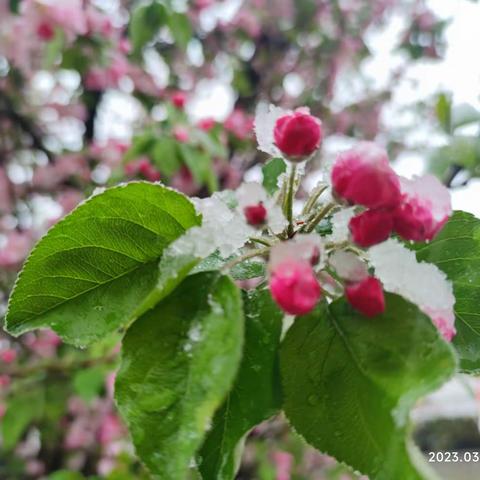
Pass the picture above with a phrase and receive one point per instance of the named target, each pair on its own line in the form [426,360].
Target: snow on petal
[276,220]
[430,191]
[340,220]
[348,266]
[423,284]
[265,119]
[253,193]
[300,248]
[250,193]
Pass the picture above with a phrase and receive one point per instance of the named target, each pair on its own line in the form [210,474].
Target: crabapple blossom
[206,124]
[298,135]
[371,227]
[363,176]
[8,355]
[239,123]
[366,296]
[259,208]
[425,208]
[179,99]
[181,133]
[294,287]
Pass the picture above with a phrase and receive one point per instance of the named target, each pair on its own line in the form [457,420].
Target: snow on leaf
[222,229]
[423,284]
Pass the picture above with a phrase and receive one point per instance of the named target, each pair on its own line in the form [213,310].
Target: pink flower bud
[366,296]
[8,356]
[298,135]
[45,31]
[181,134]
[363,176]
[179,99]
[255,214]
[371,227]
[425,208]
[294,287]
[148,171]
[206,124]
[4,381]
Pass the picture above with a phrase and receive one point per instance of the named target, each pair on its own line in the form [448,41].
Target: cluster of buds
[414,209]
[364,202]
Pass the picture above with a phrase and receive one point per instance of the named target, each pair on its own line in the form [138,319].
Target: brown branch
[25,124]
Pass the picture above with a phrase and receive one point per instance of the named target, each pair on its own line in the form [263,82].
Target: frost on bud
[298,135]
[366,296]
[294,287]
[255,214]
[363,176]
[371,227]
[424,210]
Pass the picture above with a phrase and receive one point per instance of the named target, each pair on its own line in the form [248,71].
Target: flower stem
[252,253]
[262,241]
[288,205]
[316,193]
[316,218]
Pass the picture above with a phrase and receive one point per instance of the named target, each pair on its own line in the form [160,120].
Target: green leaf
[463,151]
[66,475]
[21,411]
[200,164]
[141,145]
[464,115]
[456,251]
[145,23]
[271,171]
[180,28]
[179,361]
[14,6]
[255,396]
[241,271]
[165,156]
[90,273]
[349,382]
[444,112]
[88,383]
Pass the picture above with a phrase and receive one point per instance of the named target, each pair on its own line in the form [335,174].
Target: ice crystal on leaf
[421,283]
